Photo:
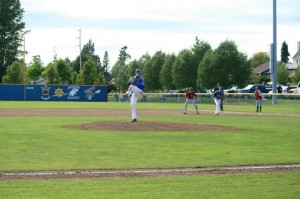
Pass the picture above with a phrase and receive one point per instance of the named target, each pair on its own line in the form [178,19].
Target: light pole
[274,55]
[23,65]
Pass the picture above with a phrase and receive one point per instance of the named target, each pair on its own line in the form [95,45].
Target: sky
[148,26]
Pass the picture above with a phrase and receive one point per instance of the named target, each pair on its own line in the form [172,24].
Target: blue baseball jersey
[138,82]
[218,94]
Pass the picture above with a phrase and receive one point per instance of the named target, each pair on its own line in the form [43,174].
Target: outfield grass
[233,186]
[40,143]
[35,143]
[284,106]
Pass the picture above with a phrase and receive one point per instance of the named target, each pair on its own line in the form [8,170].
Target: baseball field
[91,150]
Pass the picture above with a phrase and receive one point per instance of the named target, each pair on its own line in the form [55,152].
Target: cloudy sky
[147,26]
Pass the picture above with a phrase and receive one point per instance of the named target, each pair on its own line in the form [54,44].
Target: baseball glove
[131,79]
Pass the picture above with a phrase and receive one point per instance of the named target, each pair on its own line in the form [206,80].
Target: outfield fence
[207,98]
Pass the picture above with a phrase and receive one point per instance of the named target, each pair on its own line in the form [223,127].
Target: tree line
[197,67]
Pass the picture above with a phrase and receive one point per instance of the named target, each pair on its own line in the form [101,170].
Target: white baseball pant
[136,94]
[218,103]
[190,101]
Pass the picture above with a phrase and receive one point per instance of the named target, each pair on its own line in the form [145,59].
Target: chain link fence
[207,98]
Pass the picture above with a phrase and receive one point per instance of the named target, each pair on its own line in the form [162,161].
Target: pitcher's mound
[148,126]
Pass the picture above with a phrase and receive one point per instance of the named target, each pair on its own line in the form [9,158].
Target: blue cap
[138,71]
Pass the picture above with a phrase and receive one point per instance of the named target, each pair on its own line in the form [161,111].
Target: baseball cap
[138,71]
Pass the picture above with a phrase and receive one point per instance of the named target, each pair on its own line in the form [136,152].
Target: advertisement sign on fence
[53,92]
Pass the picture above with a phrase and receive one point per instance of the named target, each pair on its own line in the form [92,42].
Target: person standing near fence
[216,89]
[190,97]
[218,96]
[258,99]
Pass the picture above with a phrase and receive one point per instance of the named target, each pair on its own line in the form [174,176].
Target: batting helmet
[138,71]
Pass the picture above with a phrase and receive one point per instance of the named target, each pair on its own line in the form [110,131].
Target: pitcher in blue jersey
[136,90]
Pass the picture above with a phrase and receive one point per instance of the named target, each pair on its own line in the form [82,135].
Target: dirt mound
[147,126]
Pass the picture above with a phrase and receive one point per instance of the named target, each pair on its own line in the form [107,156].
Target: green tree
[105,62]
[87,52]
[89,73]
[165,78]
[285,53]
[35,69]
[123,55]
[64,70]
[199,49]
[184,71]
[74,78]
[122,78]
[283,73]
[11,30]
[120,70]
[259,58]
[51,74]
[151,71]
[12,73]
[132,66]
[101,78]
[88,48]
[206,71]
[296,76]
[105,65]
[115,69]
[225,65]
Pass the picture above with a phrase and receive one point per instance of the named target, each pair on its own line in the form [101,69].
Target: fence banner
[53,92]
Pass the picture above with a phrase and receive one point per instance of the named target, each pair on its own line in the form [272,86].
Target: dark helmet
[138,71]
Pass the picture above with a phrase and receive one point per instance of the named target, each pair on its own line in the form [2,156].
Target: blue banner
[53,93]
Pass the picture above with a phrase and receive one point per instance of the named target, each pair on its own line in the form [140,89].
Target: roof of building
[262,68]
[297,54]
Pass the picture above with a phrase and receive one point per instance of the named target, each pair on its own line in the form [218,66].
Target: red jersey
[257,95]
[190,94]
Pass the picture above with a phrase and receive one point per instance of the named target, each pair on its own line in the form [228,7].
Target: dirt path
[146,172]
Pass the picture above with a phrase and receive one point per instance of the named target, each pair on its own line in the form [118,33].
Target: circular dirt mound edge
[147,126]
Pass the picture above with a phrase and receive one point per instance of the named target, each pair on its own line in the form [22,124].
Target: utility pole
[274,55]
[80,62]
[54,54]
[23,53]
[23,65]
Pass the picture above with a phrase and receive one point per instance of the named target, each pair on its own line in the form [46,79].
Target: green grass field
[41,143]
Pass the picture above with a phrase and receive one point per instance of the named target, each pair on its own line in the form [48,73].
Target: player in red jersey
[190,96]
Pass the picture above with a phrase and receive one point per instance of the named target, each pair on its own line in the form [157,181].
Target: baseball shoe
[217,113]
[134,120]
[198,113]
[184,112]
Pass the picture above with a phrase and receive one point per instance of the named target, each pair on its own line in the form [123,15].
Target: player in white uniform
[136,89]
